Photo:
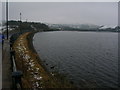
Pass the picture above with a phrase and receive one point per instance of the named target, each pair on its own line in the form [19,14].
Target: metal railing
[16,75]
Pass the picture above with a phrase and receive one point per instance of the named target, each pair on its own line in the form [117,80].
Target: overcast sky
[99,13]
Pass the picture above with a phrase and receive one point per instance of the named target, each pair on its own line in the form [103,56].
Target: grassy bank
[34,73]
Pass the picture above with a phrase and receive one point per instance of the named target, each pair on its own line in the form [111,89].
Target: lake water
[89,59]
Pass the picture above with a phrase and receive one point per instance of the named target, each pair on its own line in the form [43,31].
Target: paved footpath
[0,65]
[6,66]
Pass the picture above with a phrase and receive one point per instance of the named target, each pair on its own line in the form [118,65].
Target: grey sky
[99,13]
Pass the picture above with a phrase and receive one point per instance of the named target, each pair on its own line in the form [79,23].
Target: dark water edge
[86,67]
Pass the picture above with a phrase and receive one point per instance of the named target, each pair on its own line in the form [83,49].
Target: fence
[16,74]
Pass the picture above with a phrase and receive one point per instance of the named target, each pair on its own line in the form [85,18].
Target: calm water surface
[89,59]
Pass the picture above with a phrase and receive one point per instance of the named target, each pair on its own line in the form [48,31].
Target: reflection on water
[89,59]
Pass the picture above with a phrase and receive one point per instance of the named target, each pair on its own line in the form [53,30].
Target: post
[7,18]
[20,23]
[20,16]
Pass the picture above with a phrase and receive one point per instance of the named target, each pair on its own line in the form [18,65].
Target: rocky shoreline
[35,74]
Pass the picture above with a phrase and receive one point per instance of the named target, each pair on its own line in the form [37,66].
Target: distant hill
[27,25]
[74,26]
[83,27]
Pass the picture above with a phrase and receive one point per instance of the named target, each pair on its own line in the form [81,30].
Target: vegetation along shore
[34,73]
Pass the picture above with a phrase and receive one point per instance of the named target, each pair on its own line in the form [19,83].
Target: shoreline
[31,46]
[35,74]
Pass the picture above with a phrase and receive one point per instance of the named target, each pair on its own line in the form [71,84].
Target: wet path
[0,65]
[6,66]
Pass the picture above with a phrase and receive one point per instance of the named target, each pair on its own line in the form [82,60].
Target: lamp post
[20,23]
[7,18]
